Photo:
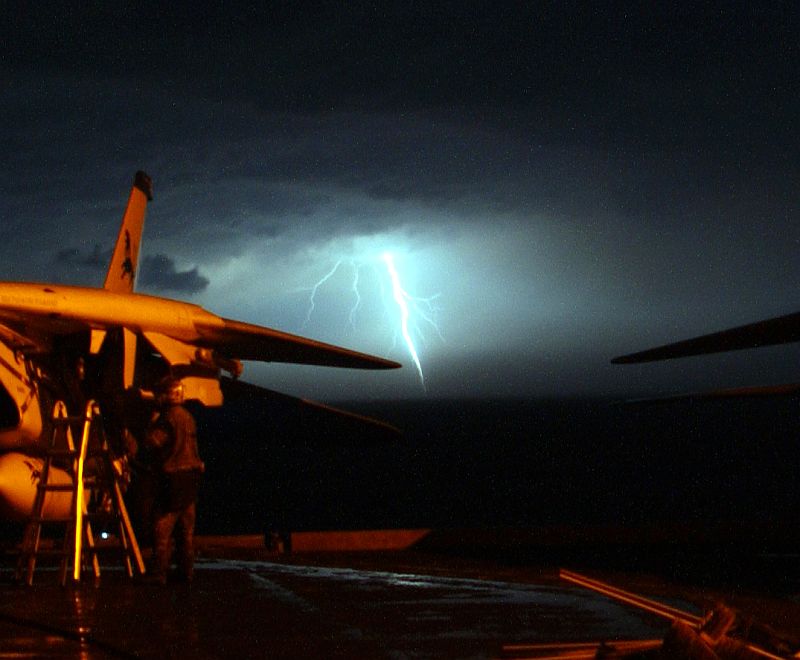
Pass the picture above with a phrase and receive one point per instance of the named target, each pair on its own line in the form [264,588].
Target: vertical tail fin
[121,276]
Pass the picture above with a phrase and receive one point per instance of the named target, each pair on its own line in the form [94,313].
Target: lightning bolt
[313,294]
[402,298]
[357,295]
[409,307]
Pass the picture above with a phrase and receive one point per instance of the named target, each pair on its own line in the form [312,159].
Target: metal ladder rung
[42,520]
[78,524]
[56,488]
[62,453]
[53,552]
[67,419]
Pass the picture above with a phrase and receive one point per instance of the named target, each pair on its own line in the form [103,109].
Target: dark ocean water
[528,463]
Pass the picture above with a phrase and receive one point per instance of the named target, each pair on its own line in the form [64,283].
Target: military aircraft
[57,341]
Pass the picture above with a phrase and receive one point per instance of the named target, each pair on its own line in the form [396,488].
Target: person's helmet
[172,392]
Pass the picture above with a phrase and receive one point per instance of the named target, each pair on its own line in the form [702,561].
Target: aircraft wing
[780,330]
[245,341]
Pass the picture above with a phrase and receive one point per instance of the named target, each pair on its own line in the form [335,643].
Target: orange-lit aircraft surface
[126,342]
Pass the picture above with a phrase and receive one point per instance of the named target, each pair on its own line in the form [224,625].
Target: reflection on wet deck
[276,609]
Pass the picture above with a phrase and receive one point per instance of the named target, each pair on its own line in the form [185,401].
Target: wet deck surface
[284,609]
[251,603]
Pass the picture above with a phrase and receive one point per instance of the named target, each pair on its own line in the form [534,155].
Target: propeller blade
[788,389]
[310,414]
[780,330]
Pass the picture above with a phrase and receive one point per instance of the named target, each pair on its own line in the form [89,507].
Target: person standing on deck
[172,435]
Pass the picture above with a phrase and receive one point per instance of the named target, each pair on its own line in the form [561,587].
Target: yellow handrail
[79,490]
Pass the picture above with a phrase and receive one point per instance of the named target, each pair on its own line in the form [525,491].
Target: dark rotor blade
[780,330]
[788,389]
[311,414]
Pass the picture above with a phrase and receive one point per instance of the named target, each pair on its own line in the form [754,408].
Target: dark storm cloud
[260,205]
[612,62]
[159,273]
[156,272]
[621,173]
[508,105]
[95,262]
[312,55]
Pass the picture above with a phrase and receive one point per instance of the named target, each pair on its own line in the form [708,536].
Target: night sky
[556,186]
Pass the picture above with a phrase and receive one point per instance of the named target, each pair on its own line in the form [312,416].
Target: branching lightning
[408,312]
[357,294]
[311,303]
[401,297]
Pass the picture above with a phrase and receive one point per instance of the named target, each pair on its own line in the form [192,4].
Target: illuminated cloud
[568,190]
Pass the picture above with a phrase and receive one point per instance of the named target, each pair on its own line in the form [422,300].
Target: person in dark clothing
[172,437]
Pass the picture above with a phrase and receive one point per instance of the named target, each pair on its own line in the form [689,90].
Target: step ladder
[94,492]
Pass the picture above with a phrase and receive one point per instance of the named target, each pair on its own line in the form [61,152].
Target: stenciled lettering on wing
[27,301]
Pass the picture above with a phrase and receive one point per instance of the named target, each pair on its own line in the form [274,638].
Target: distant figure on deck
[172,437]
